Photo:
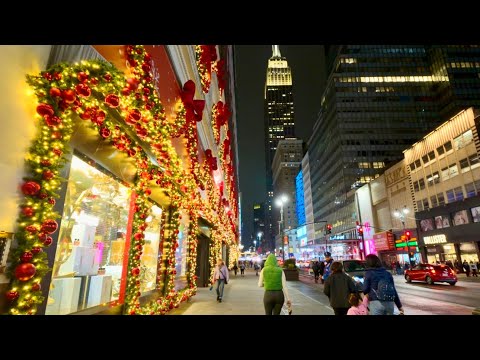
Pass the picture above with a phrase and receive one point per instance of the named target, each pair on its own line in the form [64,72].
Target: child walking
[359,307]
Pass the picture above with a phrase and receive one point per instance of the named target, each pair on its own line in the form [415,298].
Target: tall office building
[287,163]
[279,122]
[380,99]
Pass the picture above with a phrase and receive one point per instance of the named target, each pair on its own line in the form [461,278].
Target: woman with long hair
[379,287]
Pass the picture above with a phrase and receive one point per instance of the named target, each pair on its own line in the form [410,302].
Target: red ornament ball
[132,83]
[48,76]
[26,257]
[68,96]
[146,67]
[49,226]
[25,271]
[125,91]
[57,152]
[36,249]
[42,195]
[48,175]
[104,132]
[28,211]
[55,92]
[83,90]
[48,241]
[112,100]
[45,109]
[36,287]
[82,77]
[57,76]
[107,77]
[46,163]
[52,120]
[51,201]
[135,271]
[31,229]
[11,295]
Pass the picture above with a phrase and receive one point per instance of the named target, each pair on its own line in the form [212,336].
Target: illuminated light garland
[101,95]
[206,55]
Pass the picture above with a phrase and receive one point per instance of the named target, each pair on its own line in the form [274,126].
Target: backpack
[385,289]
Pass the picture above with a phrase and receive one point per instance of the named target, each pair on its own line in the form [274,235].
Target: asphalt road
[422,299]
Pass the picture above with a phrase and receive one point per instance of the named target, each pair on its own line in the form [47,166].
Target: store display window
[181,253]
[475,214]
[151,253]
[90,253]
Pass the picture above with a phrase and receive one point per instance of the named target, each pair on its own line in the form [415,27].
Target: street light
[254,245]
[401,215]
[279,202]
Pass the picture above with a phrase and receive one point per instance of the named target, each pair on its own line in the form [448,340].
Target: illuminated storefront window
[91,250]
[150,255]
[181,253]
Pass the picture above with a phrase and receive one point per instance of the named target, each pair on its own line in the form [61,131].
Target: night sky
[307,64]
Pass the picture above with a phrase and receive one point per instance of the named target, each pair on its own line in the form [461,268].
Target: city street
[439,299]
[242,296]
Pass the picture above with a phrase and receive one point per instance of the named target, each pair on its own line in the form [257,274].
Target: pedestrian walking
[379,287]
[357,305]
[338,288]
[272,278]
[220,276]
[474,269]
[466,267]
[256,267]
[235,269]
[321,270]
[242,269]
[316,270]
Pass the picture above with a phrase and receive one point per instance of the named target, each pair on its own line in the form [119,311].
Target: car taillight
[433,271]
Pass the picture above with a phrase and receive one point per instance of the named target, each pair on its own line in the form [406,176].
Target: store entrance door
[203,265]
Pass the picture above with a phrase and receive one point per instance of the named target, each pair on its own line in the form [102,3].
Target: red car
[431,273]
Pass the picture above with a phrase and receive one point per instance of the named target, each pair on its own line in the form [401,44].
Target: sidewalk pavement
[242,296]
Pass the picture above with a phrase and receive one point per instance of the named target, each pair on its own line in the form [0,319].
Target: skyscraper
[379,99]
[279,122]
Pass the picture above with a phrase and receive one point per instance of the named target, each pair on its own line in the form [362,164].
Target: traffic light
[360,231]
[328,229]
[408,235]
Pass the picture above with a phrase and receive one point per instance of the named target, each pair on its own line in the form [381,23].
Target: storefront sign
[285,240]
[338,237]
[395,176]
[435,239]
[384,241]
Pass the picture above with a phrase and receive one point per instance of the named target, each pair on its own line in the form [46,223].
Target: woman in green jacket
[273,279]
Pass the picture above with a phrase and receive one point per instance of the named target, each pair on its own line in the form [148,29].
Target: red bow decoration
[211,160]
[193,108]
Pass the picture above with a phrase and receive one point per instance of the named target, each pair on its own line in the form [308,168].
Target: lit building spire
[276,51]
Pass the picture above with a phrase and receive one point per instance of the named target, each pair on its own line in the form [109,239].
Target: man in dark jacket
[338,287]
[316,270]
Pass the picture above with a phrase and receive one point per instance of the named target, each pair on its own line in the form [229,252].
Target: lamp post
[401,215]
[254,245]
[279,202]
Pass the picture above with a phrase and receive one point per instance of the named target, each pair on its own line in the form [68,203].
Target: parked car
[431,273]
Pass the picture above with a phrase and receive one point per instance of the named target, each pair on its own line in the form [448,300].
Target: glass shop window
[91,249]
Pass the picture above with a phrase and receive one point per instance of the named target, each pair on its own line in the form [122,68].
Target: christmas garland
[110,102]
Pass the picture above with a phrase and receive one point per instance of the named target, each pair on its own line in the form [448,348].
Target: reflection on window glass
[181,253]
[150,255]
[90,253]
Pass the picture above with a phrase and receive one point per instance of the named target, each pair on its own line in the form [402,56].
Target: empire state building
[278,118]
